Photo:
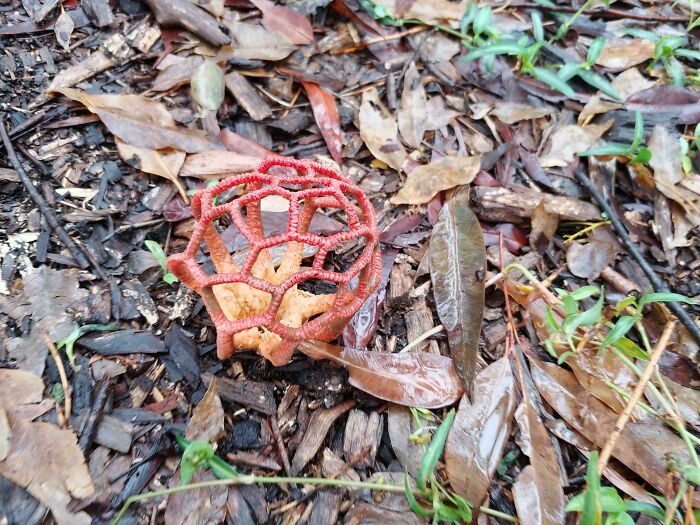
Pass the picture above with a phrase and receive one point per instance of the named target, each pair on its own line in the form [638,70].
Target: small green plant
[636,152]
[527,53]
[444,505]
[689,149]
[159,254]
[619,321]
[666,49]
[77,333]
[599,505]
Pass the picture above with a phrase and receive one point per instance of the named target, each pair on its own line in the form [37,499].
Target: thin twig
[39,201]
[67,403]
[657,283]
[636,394]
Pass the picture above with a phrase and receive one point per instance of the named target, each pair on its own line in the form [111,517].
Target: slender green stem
[250,479]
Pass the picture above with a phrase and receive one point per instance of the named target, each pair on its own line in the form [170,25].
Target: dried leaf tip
[260,305]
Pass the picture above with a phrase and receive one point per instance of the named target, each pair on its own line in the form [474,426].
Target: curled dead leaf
[165,163]
[427,180]
[379,131]
[140,122]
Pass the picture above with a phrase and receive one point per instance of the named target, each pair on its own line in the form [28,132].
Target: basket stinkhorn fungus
[257,306]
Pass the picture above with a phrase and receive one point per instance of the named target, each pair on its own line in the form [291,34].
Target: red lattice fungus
[260,307]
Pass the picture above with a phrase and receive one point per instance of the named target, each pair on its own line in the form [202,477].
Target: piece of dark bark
[362,435]
[247,96]
[182,13]
[123,342]
[419,319]
[504,205]
[320,424]
[252,394]
[326,507]
[114,433]
[94,417]
[98,11]
[18,506]
[182,361]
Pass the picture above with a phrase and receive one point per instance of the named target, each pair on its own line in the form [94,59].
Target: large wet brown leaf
[457,268]
[285,20]
[327,118]
[427,180]
[379,131]
[642,447]
[480,432]
[40,457]
[413,379]
[538,492]
[412,113]
[140,122]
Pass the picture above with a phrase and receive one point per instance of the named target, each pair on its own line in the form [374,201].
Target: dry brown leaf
[642,447]
[254,42]
[46,296]
[207,421]
[285,20]
[379,131]
[412,112]
[512,112]
[480,431]
[178,74]
[619,54]
[427,180]
[538,493]
[669,177]
[571,140]
[63,28]
[665,159]
[140,122]
[40,457]
[438,116]
[588,260]
[165,163]
[431,12]
[626,84]
[544,225]
[217,164]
